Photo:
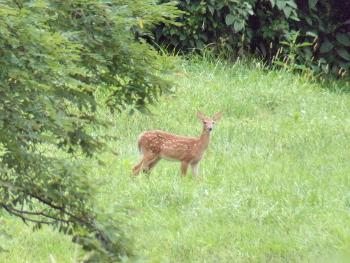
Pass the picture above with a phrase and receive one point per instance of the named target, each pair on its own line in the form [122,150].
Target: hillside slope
[275,179]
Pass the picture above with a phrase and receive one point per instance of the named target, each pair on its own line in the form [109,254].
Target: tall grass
[275,180]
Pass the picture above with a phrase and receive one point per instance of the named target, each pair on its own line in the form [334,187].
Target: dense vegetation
[275,180]
[313,35]
[54,56]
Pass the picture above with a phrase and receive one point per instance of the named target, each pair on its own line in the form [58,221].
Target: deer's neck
[204,140]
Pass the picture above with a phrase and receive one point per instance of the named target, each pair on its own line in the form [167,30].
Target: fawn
[156,145]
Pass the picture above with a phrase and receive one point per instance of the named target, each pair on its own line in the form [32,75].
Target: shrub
[238,27]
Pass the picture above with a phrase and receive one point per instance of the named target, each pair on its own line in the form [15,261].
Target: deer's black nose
[210,129]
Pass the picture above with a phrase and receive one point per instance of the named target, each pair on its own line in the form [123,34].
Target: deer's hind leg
[150,159]
[153,163]
[137,168]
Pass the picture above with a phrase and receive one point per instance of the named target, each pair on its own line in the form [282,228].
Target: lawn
[275,181]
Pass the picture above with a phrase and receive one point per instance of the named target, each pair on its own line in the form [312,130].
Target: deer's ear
[200,115]
[217,116]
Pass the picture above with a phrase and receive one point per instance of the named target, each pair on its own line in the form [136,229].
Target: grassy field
[275,180]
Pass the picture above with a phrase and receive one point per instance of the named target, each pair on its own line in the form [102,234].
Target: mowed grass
[275,180]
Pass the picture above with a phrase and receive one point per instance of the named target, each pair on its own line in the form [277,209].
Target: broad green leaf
[343,38]
[287,11]
[211,9]
[326,46]
[342,52]
[229,19]
[280,4]
[292,4]
[312,3]
[238,25]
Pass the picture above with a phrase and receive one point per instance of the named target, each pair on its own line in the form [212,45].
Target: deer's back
[166,144]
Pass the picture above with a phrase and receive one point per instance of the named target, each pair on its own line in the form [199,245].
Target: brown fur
[156,145]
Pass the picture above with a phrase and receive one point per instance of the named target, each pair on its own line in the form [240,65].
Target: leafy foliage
[327,23]
[206,22]
[237,27]
[54,56]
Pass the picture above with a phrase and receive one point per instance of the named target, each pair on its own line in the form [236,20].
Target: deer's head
[208,122]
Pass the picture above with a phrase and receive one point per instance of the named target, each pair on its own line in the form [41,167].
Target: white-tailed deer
[156,145]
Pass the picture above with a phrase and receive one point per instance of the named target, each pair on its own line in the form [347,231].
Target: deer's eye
[213,122]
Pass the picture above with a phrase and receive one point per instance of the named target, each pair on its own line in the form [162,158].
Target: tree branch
[36,214]
[24,218]
[88,221]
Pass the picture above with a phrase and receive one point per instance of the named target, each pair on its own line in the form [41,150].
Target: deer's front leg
[184,166]
[194,167]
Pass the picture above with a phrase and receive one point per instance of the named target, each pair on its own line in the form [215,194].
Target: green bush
[54,55]
[238,27]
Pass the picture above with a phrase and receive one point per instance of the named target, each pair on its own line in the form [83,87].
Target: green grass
[275,180]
